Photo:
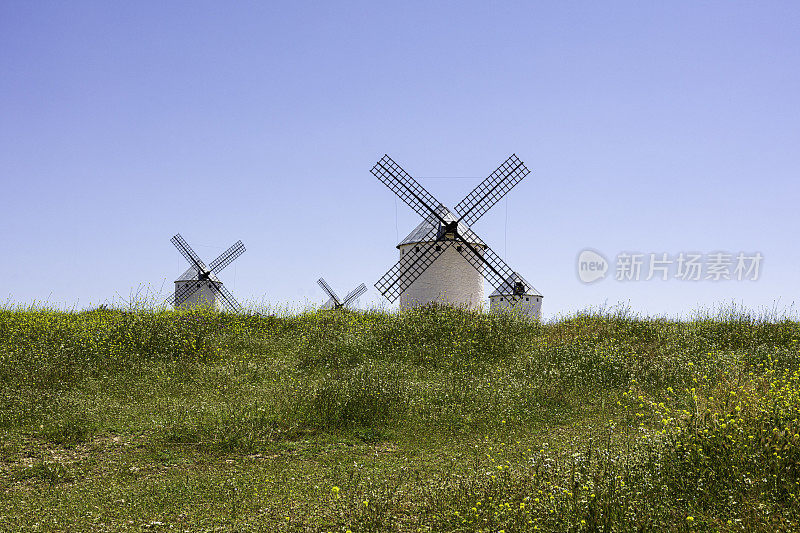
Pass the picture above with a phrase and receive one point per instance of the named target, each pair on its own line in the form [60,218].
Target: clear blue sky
[648,126]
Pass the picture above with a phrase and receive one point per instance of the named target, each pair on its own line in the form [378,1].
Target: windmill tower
[199,285]
[333,299]
[517,296]
[443,260]
[451,278]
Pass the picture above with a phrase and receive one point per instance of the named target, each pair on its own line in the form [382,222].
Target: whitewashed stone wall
[205,295]
[451,279]
[531,308]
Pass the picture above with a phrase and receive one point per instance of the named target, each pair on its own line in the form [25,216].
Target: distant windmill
[443,260]
[333,300]
[199,285]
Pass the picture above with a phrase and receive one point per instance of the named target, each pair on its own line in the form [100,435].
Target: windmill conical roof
[422,233]
[191,275]
[507,289]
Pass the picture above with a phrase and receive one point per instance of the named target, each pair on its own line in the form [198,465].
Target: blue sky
[648,127]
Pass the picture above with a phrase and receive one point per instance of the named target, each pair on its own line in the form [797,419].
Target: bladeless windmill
[443,260]
[333,299]
[199,285]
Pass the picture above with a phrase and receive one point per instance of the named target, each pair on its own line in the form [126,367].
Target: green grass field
[431,420]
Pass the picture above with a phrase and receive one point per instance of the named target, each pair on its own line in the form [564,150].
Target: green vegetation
[430,420]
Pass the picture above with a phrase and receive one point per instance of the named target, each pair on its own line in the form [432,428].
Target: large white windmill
[443,260]
[199,285]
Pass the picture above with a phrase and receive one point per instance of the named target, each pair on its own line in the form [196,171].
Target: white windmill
[443,260]
[199,285]
[516,296]
[333,299]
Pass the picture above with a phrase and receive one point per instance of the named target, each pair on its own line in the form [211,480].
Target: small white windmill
[443,260]
[333,299]
[517,296]
[199,285]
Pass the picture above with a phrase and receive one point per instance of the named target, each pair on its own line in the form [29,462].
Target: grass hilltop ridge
[435,419]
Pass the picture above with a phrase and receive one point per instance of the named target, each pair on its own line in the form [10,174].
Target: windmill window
[527,299]
[416,248]
[438,248]
[458,248]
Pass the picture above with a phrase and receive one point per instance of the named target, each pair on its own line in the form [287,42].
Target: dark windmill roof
[507,289]
[422,233]
[191,275]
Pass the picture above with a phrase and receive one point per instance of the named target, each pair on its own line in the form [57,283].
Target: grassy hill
[430,420]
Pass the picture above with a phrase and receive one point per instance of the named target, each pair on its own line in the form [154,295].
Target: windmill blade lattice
[491,190]
[227,298]
[493,268]
[333,301]
[330,292]
[190,255]
[354,295]
[407,188]
[411,266]
[227,257]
